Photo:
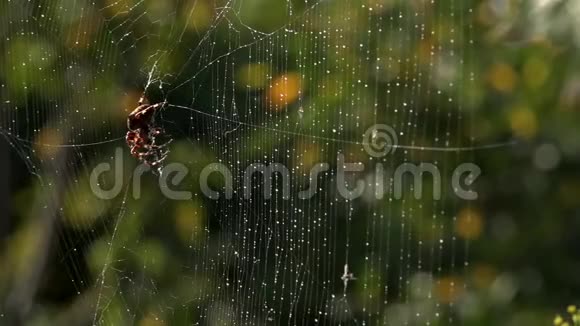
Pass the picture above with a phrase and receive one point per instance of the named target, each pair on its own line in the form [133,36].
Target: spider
[142,135]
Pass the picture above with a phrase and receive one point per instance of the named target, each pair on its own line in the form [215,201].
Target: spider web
[252,81]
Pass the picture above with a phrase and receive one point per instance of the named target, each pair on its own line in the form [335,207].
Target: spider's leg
[153,149]
[163,155]
[147,157]
[135,152]
[166,143]
[144,151]
[160,146]
[158,162]
[156,106]
[156,132]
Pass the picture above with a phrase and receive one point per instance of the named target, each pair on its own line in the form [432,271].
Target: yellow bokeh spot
[190,222]
[253,76]
[47,142]
[469,223]
[199,15]
[284,90]
[535,72]
[448,289]
[151,320]
[483,275]
[502,77]
[83,208]
[523,122]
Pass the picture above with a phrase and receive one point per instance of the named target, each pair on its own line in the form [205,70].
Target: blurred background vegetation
[293,82]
